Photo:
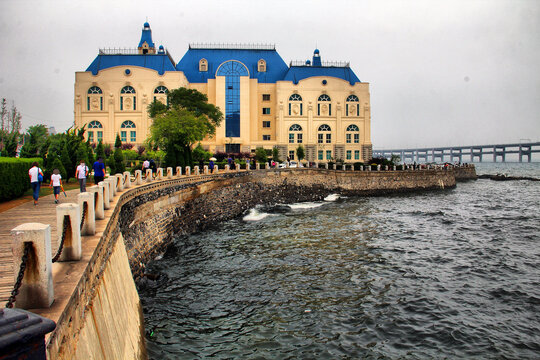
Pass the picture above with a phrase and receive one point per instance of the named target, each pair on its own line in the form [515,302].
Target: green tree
[118,142]
[300,154]
[275,154]
[66,161]
[187,120]
[261,155]
[37,139]
[10,128]
[100,150]
[89,154]
[175,128]
[199,154]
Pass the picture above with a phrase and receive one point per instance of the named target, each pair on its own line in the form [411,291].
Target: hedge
[14,179]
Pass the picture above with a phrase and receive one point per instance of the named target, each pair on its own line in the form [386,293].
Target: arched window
[324,130]
[160,94]
[94,100]
[352,106]
[128,99]
[261,66]
[295,105]
[94,124]
[324,107]
[295,129]
[352,131]
[232,70]
[203,65]
[128,124]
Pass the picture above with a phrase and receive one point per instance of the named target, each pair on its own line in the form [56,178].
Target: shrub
[15,180]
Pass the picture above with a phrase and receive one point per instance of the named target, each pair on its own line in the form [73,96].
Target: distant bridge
[459,153]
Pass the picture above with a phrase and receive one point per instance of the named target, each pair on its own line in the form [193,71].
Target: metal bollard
[36,289]
[23,334]
[99,207]
[72,241]
[178,171]
[169,173]
[86,200]
[138,177]
[127,179]
[106,197]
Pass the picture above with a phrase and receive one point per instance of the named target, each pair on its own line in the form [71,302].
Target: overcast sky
[441,72]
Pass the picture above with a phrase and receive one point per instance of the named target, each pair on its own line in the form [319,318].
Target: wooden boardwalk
[45,213]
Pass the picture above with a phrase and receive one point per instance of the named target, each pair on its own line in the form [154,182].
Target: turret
[316,58]
[146,45]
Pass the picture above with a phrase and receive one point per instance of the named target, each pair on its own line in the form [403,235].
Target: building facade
[266,103]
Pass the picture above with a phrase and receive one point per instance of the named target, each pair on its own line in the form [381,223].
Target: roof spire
[316,58]
[146,45]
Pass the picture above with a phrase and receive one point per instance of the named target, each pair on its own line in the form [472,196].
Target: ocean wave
[255,215]
[305,205]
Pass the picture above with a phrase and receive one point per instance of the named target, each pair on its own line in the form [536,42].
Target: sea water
[440,274]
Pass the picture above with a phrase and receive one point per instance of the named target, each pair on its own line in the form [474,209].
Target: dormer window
[261,66]
[203,65]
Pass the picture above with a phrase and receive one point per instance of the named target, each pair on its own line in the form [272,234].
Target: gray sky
[440,72]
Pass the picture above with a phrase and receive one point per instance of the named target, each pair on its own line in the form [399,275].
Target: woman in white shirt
[34,173]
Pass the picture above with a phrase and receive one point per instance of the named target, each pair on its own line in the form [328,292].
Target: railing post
[89,226]
[111,185]
[205,169]
[216,169]
[188,170]
[36,289]
[257,166]
[159,174]
[344,167]
[113,180]
[97,193]
[227,168]
[266,166]
[127,179]
[237,166]
[149,175]
[196,170]
[138,177]
[169,173]
[361,167]
[72,242]
[178,171]
[105,191]
[119,182]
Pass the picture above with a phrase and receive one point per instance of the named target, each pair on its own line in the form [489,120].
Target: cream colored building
[322,106]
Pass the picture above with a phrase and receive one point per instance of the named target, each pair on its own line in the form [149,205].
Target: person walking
[81,173]
[56,184]
[36,177]
[99,171]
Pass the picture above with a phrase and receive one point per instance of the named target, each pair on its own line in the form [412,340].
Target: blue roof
[157,62]
[297,73]
[275,66]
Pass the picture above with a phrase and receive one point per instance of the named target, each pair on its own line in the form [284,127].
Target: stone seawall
[464,173]
[103,317]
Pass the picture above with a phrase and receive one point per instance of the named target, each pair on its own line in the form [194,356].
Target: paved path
[45,213]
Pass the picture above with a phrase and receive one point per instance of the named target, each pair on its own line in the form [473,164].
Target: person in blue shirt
[99,171]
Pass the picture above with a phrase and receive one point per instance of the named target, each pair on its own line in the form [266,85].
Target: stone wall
[467,172]
[103,317]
